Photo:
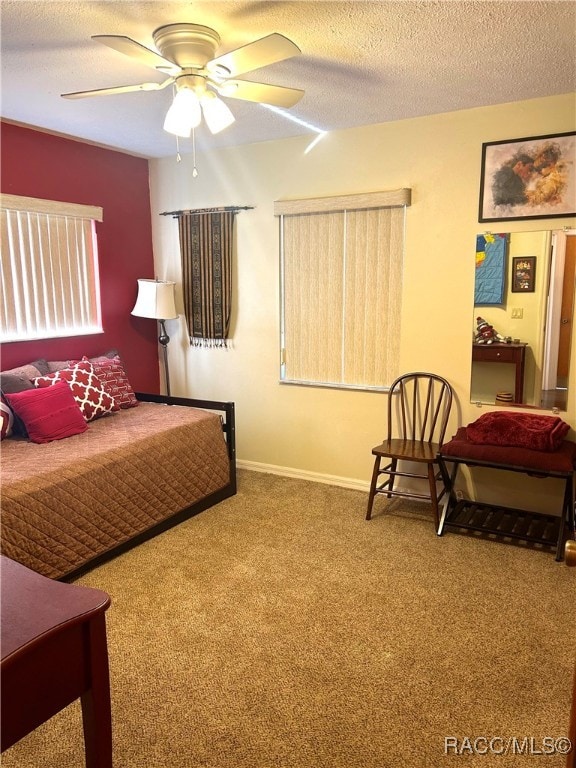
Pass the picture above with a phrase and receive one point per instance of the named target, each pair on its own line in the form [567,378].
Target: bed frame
[227,417]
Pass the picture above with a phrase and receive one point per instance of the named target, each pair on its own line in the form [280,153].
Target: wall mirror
[523,318]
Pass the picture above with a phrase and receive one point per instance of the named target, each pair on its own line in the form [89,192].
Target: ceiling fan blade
[119,89]
[276,95]
[254,55]
[130,47]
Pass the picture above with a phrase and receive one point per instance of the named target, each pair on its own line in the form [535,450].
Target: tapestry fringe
[209,343]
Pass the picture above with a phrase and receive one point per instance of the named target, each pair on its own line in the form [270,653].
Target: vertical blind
[341,280]
[49,266]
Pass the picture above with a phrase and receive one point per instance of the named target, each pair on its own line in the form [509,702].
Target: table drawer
[495,354]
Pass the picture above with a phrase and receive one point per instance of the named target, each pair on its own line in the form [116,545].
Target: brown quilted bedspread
[68,501]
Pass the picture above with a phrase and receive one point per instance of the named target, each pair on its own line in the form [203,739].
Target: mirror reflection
[522,325]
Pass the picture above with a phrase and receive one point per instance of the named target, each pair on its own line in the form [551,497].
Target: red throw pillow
[110,371]
[88,390]
[48,414]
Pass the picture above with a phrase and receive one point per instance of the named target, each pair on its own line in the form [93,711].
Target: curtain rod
[208,210]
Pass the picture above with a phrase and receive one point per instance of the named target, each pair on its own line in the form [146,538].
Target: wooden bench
[507,522]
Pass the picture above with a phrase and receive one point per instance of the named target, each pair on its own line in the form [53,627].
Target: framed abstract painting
[529,178]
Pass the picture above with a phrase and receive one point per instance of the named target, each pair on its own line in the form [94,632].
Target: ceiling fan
[186,53]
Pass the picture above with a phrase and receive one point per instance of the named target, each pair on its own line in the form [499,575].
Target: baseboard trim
[302,474]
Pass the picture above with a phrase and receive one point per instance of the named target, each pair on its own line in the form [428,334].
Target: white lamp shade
[217,114]
[184,114]
[156,300]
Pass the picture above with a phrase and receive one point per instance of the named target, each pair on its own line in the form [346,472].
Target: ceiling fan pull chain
[194,170]
[178,157]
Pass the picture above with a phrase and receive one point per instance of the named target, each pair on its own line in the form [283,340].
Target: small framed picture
[529,178]
[523,274]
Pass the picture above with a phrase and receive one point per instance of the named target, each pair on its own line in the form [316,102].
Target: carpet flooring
[280,629]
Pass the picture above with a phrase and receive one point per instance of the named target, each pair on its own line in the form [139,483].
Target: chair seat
[408,450]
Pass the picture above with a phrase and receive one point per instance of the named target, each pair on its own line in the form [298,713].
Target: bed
[71,504]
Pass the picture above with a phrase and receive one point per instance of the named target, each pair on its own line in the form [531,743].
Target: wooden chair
[418,410]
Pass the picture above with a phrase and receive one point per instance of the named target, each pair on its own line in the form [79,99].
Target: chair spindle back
[419,407]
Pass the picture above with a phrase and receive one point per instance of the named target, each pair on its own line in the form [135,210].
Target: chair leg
[433,494]
[373,484]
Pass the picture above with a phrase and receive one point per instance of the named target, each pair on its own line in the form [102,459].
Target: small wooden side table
[515,354]
[54,651]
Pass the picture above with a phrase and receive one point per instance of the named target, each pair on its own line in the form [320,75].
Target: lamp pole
[156,300]
[163,339]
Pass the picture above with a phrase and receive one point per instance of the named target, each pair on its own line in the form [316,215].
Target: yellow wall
[322,433]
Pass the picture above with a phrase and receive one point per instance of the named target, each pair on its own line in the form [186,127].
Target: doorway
[559,320]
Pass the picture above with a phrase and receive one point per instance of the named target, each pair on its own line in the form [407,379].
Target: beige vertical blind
[341,292]
[313,286]
[50,284]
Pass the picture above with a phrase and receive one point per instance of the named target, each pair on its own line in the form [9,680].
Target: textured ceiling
[361,63]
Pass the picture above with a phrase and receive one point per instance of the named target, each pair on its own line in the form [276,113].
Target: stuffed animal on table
[486,333]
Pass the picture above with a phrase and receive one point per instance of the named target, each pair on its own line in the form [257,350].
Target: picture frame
[528,178]
[523,274]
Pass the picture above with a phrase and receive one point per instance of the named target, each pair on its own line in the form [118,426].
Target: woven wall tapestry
[206,241]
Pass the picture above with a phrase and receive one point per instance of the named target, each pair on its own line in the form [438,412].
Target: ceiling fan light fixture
[184,114]
[217,114]
[185,52]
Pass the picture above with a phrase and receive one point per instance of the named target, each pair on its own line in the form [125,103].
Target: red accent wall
[37,164]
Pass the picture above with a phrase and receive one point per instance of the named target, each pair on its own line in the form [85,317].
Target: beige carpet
[281,630]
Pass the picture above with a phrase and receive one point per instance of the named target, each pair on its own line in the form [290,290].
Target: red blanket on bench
[522,430]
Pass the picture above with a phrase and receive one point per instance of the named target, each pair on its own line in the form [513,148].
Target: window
[49,263]
[341,289]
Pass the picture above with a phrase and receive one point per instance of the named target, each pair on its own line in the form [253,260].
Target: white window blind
[341,289]
[49,263]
